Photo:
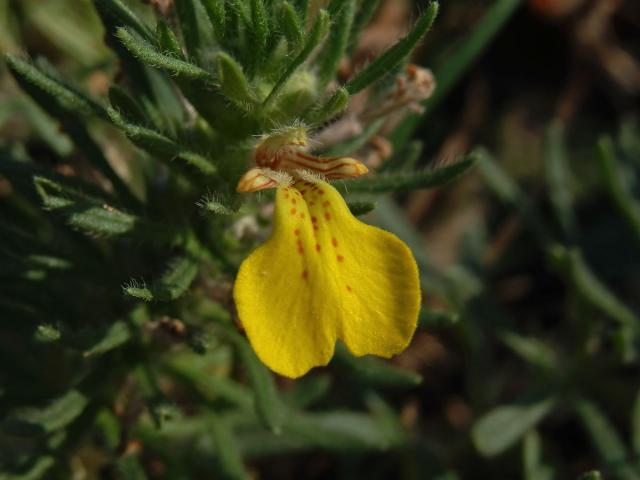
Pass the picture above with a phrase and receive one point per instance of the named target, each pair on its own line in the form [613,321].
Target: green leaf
[635,425]
[126,105]
[361,208]
[93,215]
[172,285]
[337,41]
[161,146]
[329,108]
[592,475]
[457,64]
[187,14]
[405,181]
[217,16]
[129,468]
[228,451]
[115,336]
[558,180]
[394,55]
[144,51]
[503,426]
[233,82]
[123,16]
[532,464]
[605,439]
[258,33]
[36,471]
[375,372]
[617,185]
[290,25]
[507,190]
[366,10]
[58,414]
[572,265]
[167,40]
[267,402]
[64,96]
[531,350]
[315,36]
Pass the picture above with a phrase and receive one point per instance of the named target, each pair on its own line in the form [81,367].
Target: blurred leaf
[337,41]
[372,371]
[267,403]
[635,425]
[361,208]
[290,25]
[534,468]
[558,180]
[503,426]
[616,183]
[605,439]
[129,468]
[115,336]
[233,82]
[36,471]
[59,413]
[456,64]
[592,475]
[228,452]
[531,350]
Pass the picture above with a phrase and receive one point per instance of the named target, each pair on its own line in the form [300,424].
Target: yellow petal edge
[323,275]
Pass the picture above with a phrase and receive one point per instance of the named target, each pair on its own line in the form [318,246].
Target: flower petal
[321,276]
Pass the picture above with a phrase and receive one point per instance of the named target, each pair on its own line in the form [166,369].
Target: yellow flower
[322,276]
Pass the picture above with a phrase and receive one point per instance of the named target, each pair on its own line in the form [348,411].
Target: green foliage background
[123,135]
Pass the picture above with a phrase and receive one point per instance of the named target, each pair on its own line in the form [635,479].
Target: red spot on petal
[286,195]
[334,242]
[302,191]
[317,247]
[315,227]
[326,203]
[340,258]
[321,192]
[314,219]
[296,232]
[293,211]
[311,204]
[305,275]
[349,289]
[293,200]
[327,216]
[302,216]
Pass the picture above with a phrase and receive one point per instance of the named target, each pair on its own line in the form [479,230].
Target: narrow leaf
[337,42]
[318,32]
[233,82]
[267,403]
[144,51]
[395,55]
[123,16]
[290,25]
[167,40]
[228,451]
[558,180]
[117,334]
[217,16]
[376,372]
[616,184]
[499,429]
[56,415]
[172,285]
[160,145]
[605,439]
[64,96]
[398,182]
